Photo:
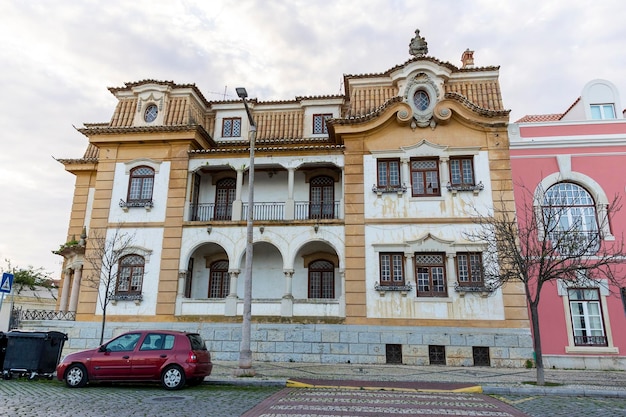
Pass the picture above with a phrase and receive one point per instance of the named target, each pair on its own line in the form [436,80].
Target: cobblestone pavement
[23,398]
[558,406]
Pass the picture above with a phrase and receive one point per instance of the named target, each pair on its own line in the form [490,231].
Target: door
[114,360]
[322,198]
[152,354]
[224,197]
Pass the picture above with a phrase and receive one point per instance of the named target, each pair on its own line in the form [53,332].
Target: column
[405,173]
[230,308]
[237,204]
[290,204]
[409,270]
[451,270]
[78,272]
[286,305]
[65,290]
[444,172]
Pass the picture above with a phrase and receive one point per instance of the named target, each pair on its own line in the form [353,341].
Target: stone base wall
[595,362]
[322,343]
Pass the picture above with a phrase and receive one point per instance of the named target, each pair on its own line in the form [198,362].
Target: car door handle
[125,357]
[164,356]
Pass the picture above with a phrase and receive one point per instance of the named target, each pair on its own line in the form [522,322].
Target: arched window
[321,279]
[569,215]
[140,186]
[224,197]
[219,281]
[322,198]
[130,275]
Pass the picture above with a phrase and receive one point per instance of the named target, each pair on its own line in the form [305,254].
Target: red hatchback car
[171,357]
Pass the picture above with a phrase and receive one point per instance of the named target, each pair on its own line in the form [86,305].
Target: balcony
[590,341]
[266,211]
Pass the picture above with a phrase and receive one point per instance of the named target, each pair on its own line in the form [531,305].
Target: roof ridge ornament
[418,46]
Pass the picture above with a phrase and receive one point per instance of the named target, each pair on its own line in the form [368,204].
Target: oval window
[421,100]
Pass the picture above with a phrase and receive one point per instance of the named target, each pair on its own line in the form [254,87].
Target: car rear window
[196,342]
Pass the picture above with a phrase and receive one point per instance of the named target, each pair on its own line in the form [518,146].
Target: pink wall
[607,166]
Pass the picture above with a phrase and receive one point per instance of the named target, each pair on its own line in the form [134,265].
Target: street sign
[6,283]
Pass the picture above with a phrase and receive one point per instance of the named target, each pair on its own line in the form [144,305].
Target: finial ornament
[418,46]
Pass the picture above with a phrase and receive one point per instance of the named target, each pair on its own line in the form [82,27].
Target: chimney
[467,59]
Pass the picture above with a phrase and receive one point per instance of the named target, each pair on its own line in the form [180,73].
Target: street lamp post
[245,354]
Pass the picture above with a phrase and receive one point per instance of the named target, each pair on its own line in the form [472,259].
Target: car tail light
[192,358]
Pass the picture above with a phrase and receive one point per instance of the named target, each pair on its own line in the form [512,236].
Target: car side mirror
[102,348]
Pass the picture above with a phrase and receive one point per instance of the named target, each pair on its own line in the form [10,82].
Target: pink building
[582,150]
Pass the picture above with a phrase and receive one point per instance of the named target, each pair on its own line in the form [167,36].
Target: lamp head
[241,92]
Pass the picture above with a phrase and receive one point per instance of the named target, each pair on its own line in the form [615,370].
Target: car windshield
[196,342]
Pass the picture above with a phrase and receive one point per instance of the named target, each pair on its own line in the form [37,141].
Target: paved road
[23,398]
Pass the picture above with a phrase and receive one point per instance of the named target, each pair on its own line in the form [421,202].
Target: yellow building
[362,202]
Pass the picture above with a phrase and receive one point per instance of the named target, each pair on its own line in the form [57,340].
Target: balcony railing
[265,211]
[590,341]
[307,210]
[210,211]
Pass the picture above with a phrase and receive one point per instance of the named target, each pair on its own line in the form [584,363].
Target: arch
[155,165]
[589,184]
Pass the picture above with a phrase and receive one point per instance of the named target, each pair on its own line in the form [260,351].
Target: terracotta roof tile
[538,118]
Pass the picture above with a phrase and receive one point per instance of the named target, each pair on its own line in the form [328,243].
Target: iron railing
[45,315]
[265,211]
[590,341]
[308,210]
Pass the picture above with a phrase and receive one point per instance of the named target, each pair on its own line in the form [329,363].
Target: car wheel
[76,376]
[173,377]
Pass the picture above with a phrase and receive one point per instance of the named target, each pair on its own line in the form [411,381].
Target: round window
[421,100]
[151,113]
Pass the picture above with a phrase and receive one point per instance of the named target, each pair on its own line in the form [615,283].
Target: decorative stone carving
[418,46]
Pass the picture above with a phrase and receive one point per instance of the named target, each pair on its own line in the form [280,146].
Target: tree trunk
[104,318]
[534,320]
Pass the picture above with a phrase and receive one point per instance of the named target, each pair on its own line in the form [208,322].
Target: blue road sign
[7,282]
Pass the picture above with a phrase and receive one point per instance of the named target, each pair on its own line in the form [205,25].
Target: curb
[298,384]
[563,392]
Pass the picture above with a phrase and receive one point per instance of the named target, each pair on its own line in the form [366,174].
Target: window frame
[141,195]
[319,127]
[462,174]
[425,181]
[587,318]
[388,269]
[123,278]
[431,284]
[565,215]
[471,271]
[229,132]
[219,280]
[322,287]
[601,111]
[386,184]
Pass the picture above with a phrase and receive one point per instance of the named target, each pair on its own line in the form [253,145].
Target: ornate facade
[362,204]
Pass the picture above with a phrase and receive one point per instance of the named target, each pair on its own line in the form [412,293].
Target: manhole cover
[169,398]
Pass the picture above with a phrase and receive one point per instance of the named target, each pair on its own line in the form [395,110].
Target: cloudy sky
[57,58]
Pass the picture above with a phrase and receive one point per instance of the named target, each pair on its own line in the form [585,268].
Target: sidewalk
[498,381]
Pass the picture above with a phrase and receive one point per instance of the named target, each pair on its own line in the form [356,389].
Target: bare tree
[556,235]
[103,254]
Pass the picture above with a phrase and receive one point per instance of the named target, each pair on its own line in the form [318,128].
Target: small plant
[529,364]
